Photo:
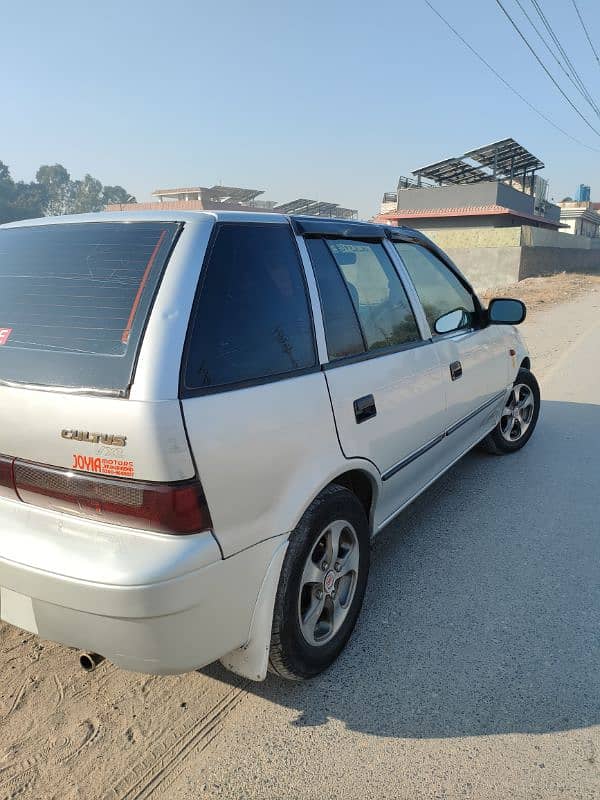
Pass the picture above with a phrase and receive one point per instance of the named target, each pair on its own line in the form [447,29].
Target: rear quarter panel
[263,453]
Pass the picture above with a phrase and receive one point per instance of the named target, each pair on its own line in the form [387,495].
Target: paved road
[473,672]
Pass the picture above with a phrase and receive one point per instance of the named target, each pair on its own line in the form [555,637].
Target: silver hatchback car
[205,418]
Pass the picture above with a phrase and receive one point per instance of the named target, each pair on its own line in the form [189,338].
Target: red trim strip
[462,211]
[136,300]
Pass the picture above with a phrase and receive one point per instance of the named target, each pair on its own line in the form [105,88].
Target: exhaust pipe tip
[89,661]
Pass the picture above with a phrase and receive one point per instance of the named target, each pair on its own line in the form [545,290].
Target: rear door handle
[455,370]
[364,408]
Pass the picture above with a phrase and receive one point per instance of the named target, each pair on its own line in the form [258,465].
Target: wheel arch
[251,660]
[358,475]
[362,484]
[525,363]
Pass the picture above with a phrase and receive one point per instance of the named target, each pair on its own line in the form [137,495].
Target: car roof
[151,216]
[200,216]
[325,225]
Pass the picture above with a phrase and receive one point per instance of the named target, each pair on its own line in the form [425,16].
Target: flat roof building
[232,198]
[581,219]
[484,205]
[492,186]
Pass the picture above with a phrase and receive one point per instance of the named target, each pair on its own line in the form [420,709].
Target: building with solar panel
[493,186]
[234,198]
[488,209]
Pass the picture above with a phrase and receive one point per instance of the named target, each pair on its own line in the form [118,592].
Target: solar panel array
[502,160]
[506,156]
[316,208]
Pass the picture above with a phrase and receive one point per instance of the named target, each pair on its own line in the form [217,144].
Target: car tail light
[163,507]
[7,488]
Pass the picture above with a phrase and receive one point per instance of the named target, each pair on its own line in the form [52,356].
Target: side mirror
[451,321]
[503,311]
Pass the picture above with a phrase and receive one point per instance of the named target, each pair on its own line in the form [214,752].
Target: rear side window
[383,309]
[342,331]
[438,288]
[252,319]
[74,300]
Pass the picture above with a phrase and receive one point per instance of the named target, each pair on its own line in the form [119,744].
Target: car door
[254,399]
[384,378]
[474,357]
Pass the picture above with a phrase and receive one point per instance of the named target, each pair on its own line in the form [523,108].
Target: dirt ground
[539,293]
[65,734]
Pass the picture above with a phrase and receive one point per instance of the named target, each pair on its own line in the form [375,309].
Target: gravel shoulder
[560,308]
[473,672]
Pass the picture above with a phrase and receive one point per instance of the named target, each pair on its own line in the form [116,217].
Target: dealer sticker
[105,466]
[4,334]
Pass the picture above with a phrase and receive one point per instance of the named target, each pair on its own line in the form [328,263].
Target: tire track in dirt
[65,734]
[20,694]
[164,759]
[60,691]
[24,772]
[19,784]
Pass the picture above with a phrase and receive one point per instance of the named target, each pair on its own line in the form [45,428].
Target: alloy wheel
[518,413]
[328,582]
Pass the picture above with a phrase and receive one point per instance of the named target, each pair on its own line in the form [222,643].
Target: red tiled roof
[464,211]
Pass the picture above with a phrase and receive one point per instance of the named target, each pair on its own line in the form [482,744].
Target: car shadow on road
[483,610]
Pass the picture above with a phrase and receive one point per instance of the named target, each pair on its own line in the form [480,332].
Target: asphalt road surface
[473,671]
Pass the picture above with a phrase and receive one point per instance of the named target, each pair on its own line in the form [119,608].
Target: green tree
[86,196]
[54,192]
[19,200]
[116,194]
[6,193]
[58,189]
[30,200]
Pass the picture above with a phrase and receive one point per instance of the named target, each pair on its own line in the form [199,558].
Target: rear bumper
[150,603]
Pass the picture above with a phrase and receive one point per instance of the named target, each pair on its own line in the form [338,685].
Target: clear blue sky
[329,100]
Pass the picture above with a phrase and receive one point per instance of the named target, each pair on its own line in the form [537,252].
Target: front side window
[252,319]
[439,290]
[377,294]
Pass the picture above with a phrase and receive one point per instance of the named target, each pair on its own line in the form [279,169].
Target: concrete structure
[495,257]
[494,186]
[216,197]
[488,210]
[580,218]
[491,204]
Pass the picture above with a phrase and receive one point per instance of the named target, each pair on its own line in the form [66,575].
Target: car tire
[519,417]
[322,585]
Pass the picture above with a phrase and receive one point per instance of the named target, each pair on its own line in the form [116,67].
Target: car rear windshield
[74,299]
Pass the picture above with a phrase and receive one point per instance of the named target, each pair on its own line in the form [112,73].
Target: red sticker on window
[4,334]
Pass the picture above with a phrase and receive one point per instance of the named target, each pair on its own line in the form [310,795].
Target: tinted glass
[74,299]
[342,330]
[385,315]
[252,320]
[438,288]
